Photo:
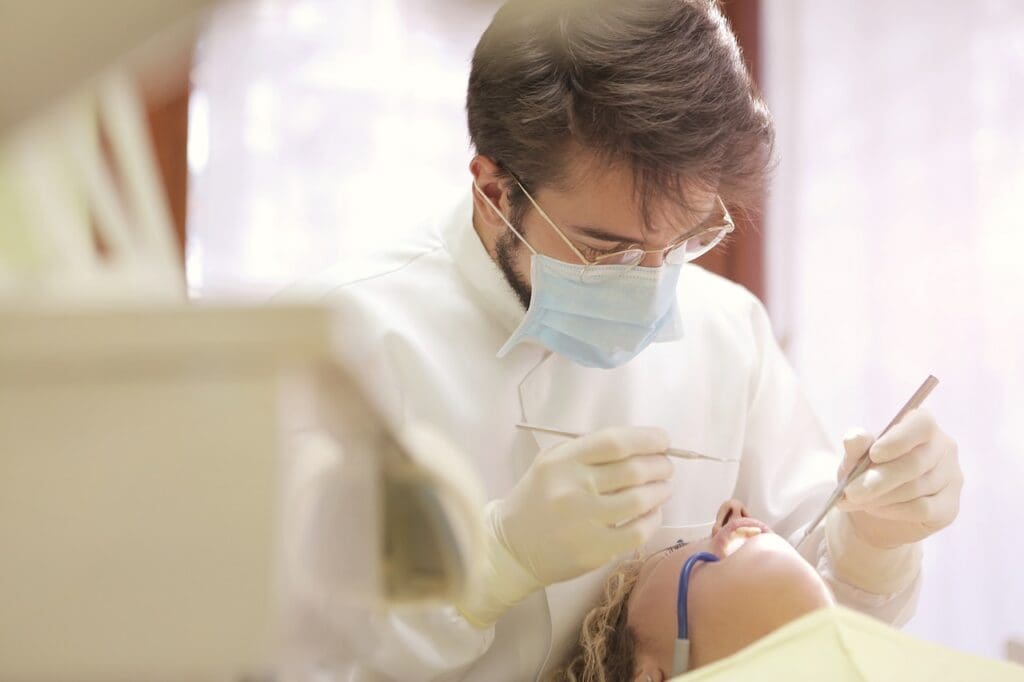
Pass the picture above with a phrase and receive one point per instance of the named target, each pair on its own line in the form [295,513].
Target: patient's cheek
[711,613]
[748,595]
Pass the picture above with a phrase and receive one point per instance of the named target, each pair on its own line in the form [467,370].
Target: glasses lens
[696,246]
[627,257]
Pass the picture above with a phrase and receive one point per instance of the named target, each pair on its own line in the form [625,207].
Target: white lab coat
[426,320]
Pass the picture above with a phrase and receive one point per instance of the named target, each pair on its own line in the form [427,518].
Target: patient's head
[759,584]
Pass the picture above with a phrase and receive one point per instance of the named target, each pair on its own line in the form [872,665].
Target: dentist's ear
[489,185]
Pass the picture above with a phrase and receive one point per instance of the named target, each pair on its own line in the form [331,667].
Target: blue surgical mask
[596,315]
[599,315]
[681,657]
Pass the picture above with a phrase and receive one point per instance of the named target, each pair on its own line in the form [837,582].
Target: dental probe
[672,452]
[864,462]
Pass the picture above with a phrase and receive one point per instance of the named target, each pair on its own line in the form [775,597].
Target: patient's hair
[605,651]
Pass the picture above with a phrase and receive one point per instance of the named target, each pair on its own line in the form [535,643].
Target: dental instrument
[672,452]
[864,462]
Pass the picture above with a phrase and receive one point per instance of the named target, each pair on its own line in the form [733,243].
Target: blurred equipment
[152,450]
[154,471]
[83,212]
[60,44]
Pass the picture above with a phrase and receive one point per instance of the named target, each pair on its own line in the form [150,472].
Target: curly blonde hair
[605,651]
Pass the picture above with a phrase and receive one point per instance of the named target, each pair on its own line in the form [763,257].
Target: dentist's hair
[606,649]
[657,85]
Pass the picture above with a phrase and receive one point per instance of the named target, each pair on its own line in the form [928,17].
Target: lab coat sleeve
[788,469]
[334,627]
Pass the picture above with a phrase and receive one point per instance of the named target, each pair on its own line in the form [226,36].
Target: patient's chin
[768,562]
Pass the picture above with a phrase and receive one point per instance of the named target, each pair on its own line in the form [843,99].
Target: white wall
[896,241]
[321,128]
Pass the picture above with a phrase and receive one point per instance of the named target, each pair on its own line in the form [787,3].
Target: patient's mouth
[735,534]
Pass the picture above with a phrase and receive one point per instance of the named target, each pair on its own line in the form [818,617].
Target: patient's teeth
[747,531]
[739,536]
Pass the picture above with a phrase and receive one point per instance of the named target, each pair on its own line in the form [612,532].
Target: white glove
[912,488]
[579,505]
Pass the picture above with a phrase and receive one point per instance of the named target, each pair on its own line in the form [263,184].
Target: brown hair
[658,85]
[606,650]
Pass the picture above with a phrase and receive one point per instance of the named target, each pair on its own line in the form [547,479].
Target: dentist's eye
[592,253]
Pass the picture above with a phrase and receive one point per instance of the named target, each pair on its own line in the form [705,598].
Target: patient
[759,584]
[750,586]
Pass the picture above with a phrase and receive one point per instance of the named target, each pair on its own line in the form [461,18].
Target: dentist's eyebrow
[602,235]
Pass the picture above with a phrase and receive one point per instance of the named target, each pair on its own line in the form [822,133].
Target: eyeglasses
[688,248]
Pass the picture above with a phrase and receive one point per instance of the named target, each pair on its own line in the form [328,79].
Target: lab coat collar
[483,276]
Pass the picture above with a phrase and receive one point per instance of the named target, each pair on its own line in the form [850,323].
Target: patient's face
[759,584]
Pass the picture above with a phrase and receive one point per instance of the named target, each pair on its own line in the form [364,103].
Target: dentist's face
[759,583]
[597,209]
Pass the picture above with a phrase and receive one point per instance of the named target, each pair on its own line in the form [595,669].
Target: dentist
[610,139]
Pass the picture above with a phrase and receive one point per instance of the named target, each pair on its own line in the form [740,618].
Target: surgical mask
[681,657]
[596,315]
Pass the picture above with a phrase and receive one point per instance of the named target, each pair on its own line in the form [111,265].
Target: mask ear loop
[503,218]
[561,235]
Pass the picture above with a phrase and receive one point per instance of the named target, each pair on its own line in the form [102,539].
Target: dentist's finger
[629,472]
[934,511]
[916,428]
[880,479]
[625,505]
[930,483]
[855,444]
[618,442]
[634,534]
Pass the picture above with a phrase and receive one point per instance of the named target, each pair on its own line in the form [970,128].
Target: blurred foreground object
[82,213]
[58,45]
[152,450]
[155,465]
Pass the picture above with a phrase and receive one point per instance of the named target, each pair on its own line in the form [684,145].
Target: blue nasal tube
[684,584]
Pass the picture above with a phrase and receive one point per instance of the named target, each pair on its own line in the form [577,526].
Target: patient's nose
[728,510]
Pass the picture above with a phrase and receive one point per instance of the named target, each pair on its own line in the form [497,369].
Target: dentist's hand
[586,501]
[579,505]
[912,488]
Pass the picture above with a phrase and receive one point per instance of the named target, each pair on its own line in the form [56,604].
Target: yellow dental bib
[841,645]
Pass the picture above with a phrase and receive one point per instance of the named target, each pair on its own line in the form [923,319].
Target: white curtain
[320,129]
[896,242]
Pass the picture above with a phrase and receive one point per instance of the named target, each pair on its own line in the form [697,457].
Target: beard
[506,249]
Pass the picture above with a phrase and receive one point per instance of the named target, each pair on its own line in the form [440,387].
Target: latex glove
[580,504]
[911,490]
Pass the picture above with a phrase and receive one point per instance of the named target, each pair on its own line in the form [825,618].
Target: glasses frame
[722,231]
